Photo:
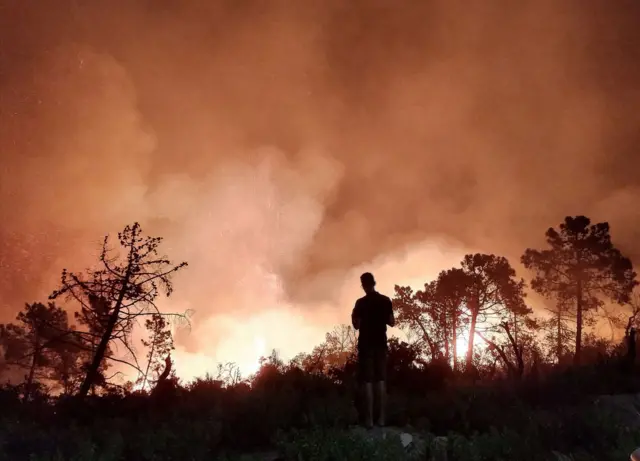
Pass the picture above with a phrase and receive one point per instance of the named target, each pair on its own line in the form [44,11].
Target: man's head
[368,282]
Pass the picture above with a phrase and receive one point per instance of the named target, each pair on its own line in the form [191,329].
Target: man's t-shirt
[373,310]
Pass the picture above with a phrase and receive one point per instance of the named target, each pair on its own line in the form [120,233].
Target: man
[371,315]
[631,348]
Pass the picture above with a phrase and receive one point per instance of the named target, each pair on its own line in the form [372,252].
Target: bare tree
[334,352]
[123,288]
[341,343]
[513,342]
[159,345]
[228,373]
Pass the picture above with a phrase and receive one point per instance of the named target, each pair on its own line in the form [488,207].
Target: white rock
[406,439]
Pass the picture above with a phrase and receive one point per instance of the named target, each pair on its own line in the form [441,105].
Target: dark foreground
[303,417]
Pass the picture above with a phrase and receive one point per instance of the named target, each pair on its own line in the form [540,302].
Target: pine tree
[159,345]
[581,267]
[115,295]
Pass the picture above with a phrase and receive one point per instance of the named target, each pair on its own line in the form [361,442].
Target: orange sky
[281,148]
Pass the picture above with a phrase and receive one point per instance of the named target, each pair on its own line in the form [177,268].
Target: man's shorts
[372,364]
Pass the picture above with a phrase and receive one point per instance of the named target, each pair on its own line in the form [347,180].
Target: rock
[406,439]
[635,456]
[560,457]
[412,443]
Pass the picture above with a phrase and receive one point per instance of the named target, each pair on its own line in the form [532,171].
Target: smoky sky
[288,142]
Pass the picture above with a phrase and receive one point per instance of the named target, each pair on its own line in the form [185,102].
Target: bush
[335,444]
[305,412]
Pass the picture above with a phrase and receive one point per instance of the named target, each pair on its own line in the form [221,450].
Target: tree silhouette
[72,358]
[515,344]
[342,342]
[32,342]
[228,374]
[402,363]
[632,318]
[493,293]
[94,315]
[558,331]
[116,294]
[339,345]
[270,367]
[436,313]
[159,345]
[581,267]
[418,312]
[449,295]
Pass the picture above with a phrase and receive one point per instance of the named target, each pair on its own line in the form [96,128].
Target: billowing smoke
[282,147]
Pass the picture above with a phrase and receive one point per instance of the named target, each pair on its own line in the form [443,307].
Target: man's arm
[391,321]
[355,317]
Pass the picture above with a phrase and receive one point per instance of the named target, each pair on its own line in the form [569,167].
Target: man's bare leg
[368,400]
[381,392]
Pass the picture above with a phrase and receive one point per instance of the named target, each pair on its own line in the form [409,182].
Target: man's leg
[381,391]
[381,388]
[365,360]
[368,395]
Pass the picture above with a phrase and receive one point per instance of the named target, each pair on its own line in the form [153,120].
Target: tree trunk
[447,346]
[518,350]
[559,339]
[474,305]
[576,357]
[104,341]
[433,347]
[454,336]
[521,364]
[146,372]
[511,369]
[29,383]
[436,353]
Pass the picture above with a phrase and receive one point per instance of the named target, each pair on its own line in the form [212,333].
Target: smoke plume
[282,147]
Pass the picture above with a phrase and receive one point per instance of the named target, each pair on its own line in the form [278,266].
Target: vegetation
[581,270]
[528,386]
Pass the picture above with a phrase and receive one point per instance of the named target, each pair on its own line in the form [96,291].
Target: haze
[281,148]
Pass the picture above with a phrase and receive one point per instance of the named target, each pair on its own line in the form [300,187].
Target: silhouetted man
[631,348]
[371,315]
